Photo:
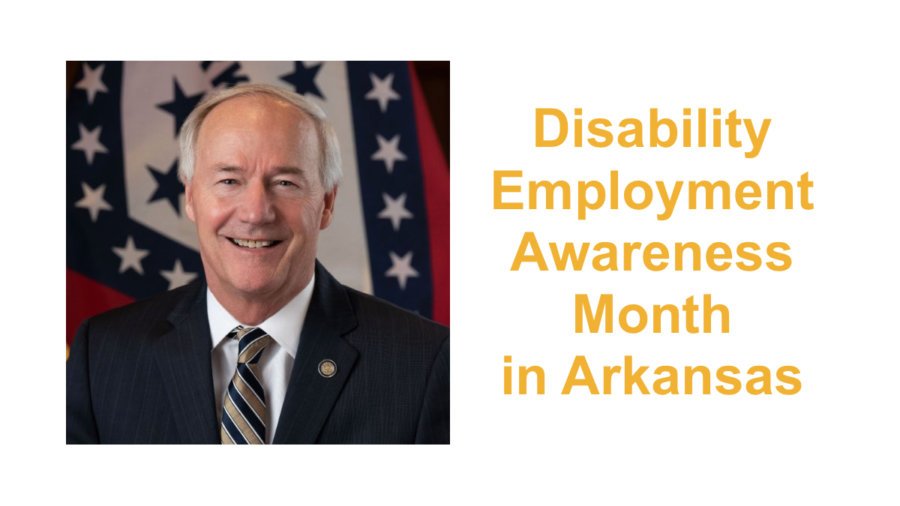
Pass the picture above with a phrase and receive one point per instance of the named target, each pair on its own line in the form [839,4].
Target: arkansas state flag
[128,236]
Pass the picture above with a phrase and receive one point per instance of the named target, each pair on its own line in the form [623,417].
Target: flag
[127,235]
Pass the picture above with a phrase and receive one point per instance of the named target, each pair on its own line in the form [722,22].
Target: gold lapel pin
[327,368]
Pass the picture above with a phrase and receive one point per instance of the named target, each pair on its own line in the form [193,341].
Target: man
[270,348]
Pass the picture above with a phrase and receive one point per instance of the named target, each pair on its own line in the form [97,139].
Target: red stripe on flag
[85,298]
[436,176]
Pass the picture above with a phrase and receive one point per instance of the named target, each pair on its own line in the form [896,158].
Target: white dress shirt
[276,362]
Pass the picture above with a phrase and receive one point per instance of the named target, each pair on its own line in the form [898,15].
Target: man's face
[257,199]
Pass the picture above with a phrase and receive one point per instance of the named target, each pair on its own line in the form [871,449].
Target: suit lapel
[183,356]
[310,395]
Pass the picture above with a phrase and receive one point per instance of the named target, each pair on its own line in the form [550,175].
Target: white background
[824,74]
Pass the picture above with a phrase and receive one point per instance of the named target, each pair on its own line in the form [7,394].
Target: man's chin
[257,291]
[247,285]
[257,286]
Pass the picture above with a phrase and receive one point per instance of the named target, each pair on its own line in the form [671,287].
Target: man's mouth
[251,244]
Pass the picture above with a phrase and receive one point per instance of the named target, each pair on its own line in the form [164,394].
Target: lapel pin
[327,368]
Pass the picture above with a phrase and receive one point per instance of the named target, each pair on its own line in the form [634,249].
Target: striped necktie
[244,408]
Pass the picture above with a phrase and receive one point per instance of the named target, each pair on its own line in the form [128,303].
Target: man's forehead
[247,108]
[266,119]
[257,125]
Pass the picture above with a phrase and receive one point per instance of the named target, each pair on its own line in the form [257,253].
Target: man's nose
[256,204]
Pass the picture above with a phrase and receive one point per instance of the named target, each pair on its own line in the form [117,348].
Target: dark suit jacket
[143,373]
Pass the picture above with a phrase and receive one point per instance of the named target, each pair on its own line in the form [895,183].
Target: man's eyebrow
[288,169]
[277,171]
[227,168]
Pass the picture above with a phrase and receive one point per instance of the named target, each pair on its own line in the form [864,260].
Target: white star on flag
[388,152]
[401,268]
[131,256]
[92,82]
[177,277]
[89,143]
[382,91]
[93,200]
[395,210]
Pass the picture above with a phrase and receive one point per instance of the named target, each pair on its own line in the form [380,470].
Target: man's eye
[228,182]
[285,183]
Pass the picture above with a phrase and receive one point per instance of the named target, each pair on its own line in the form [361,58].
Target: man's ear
[188,199]
[328,212]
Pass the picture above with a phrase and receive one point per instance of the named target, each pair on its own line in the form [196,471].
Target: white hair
[329,149]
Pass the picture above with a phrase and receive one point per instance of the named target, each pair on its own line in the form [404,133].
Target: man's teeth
[252,244]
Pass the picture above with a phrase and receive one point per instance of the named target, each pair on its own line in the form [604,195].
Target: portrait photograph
[257,252]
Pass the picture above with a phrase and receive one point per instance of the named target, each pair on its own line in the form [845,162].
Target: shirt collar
[284,326]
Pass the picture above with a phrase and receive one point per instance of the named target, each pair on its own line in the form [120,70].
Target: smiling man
[269,348]
[258,200]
